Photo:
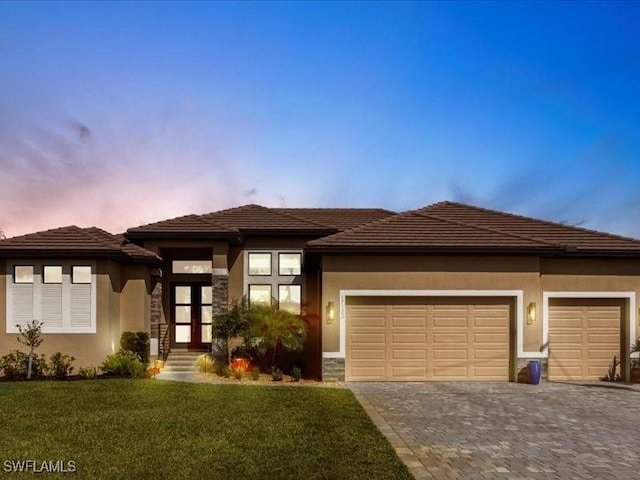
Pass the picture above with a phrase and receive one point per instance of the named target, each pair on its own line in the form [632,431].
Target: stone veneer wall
[522,369]
[219,304]
[156,305]
[333,369]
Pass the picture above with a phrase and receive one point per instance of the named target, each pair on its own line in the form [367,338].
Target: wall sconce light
[531,313]
[330,313]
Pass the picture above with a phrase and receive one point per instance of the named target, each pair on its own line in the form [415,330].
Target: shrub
[206,363]
[237,373]
[138,343]
[15,365]
[124,363]
[60,365]
[89,373]
[226,371]
[276,374]
[274,330]
[232,323]
[255,373]
[296,374]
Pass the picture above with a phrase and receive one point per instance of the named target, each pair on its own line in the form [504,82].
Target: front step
[181,361]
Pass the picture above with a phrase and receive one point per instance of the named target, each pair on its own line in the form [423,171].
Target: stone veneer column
[156,309]
[219,304]
[333,369]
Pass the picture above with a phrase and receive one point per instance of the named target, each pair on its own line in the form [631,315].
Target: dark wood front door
[191,315]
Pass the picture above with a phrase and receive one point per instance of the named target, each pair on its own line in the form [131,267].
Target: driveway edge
[405,453]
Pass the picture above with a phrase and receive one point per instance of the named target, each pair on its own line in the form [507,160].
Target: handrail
[165,346]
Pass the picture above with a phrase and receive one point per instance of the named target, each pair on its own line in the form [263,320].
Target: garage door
[406,339]
[584,335]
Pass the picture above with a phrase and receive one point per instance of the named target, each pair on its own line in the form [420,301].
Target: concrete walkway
[470,430]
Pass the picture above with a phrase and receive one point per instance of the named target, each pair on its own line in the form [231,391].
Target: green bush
[206,363]
[276,374]
[60,365]
[255,373]
[15,364]
[89,373]
[138,343]
[296,374]
[124,363]
[226,371]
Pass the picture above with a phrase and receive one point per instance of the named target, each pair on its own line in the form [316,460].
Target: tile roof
[338,218]
[258,219]
[455,226]
[73,240]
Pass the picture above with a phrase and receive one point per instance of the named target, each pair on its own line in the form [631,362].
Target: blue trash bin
[534,369]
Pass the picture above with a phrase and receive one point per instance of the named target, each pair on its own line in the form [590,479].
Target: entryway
[191,315]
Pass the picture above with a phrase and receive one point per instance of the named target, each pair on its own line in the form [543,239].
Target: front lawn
[159,429]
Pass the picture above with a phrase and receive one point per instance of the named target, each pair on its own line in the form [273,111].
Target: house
[446,292]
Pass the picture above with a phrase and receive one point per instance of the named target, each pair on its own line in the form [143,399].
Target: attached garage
[428,338]
[584,336]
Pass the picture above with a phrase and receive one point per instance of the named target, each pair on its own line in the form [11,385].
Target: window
[52,274]
[289,298]
[62,296]
[23,274]
[81,274]
[265,279]
[259,264]
[289,263]
[260,294]
[192,266]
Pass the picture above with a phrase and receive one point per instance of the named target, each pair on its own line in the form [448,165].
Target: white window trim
[630,296]
[342,316]
[38,281]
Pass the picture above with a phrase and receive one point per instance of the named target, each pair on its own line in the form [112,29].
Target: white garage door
[408,338]
[584,335]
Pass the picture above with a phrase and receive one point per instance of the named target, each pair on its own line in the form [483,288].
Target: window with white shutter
[46,292]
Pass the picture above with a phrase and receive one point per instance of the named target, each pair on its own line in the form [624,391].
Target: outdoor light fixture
[330,313]
[531,313]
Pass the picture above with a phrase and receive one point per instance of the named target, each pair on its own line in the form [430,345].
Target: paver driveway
[473,430]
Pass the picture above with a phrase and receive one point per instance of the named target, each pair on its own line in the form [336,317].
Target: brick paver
[473,430]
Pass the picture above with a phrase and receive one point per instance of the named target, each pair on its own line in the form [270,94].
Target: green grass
[157,429]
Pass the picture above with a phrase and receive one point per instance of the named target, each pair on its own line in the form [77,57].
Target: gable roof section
[74,241]
[449,226]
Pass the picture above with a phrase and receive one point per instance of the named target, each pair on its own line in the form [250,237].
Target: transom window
[81,274]
[192,266]
[52,274]
[23,274]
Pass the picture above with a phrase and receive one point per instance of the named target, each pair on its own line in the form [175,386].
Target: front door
[191,315]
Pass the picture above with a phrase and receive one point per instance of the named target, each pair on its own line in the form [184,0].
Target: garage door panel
[429,339]
[418,354]
[455,323]
[416,371]
[368,354]
[368,338]
[584,335]
[408,322]
[372,373]
[448,354]
[449,338]
[373,321]
[411,338]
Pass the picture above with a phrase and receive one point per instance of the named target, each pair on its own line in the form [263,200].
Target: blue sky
[119,114]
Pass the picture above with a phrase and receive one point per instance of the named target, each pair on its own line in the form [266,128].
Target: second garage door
[584,335]
[405,339]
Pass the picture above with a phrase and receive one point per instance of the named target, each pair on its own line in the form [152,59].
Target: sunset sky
[119,114]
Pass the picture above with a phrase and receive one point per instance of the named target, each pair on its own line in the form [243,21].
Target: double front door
[191,315]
